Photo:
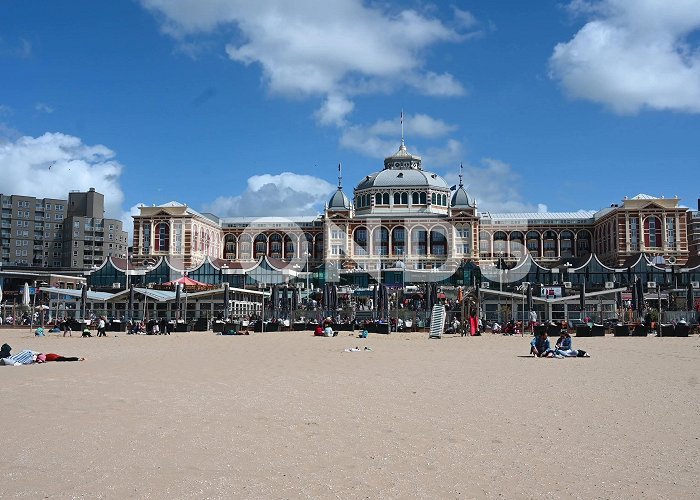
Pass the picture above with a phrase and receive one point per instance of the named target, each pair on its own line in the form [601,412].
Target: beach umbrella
[385,299]
[83,302]
[0,294]
[530,302]
[25,295]
[375,298]
[295,299]
[334,297]
[582,297]
[285,298]
[131,301]
[640,295]
[178,292]
[227,300]
[635,302]
[689,299]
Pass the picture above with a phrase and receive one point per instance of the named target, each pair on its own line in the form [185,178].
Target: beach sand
[287,415]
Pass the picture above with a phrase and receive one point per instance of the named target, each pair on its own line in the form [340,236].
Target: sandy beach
[287,415]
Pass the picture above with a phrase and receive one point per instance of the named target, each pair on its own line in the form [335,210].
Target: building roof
[579,215]
[339,201]
[402,178]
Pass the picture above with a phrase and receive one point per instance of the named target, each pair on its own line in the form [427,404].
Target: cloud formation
[52,165]
[284,194]
[633,55]
[331,49]
[381,138]
[494,185]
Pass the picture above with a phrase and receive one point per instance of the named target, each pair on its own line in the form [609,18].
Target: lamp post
[306,254]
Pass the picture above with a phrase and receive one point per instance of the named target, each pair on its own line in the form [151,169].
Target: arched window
[275,246]
[438,241]
[397,199]
[359,238]
[422,199]
[380,241]
[378,199]
[414,199]
[517,244]
[398,240]
[419,241]
[162,237]
[583,243]
[550,243]
[404,198]
[566,244]
[533,243]
[229,247]
[386,199]
[260,247]
[289,246]
[500,247]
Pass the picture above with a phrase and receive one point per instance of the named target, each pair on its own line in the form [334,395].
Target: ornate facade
[407,218]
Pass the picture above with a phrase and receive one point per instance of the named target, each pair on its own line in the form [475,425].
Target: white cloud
[283,194]
[128,221]
[332,49]
[52,165]
[494,185]
[334,110]
[43,107]
[632,55]
[383,136]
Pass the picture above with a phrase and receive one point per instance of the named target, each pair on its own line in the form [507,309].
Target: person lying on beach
[540,348]
[45,358]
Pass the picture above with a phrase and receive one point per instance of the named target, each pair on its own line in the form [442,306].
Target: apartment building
[49,232]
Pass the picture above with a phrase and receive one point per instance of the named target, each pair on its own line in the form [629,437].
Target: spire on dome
[460,175]
[340,176]
[403,145]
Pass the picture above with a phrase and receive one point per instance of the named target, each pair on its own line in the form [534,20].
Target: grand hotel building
[405,217]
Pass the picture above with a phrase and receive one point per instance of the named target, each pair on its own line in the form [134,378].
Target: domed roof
[339,201]
[460,199]
[402,170]
[402,179]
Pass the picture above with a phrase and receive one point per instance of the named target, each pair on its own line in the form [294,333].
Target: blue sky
[246,108]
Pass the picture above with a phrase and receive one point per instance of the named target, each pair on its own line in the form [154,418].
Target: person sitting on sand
[564,346]
[86,331]
[540,348]
[45,358]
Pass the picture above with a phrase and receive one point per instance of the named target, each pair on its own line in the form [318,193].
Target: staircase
[437,322]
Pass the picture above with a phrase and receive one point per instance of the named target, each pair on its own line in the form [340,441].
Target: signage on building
[551,292]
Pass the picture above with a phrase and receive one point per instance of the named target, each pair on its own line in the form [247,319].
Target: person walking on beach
[67,329]
[101,327]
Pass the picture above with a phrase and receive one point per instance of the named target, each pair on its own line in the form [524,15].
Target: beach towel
[25,357]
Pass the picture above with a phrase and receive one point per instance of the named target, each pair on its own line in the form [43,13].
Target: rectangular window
[76,224]
[670,232]
[634,233]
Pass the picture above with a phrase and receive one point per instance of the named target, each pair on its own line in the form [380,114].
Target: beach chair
[597,330]
[583,331]
[682,330]
[640,331]
[622,331]
[667,330]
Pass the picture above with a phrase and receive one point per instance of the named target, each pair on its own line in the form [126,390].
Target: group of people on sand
[27,357]
[541,348]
